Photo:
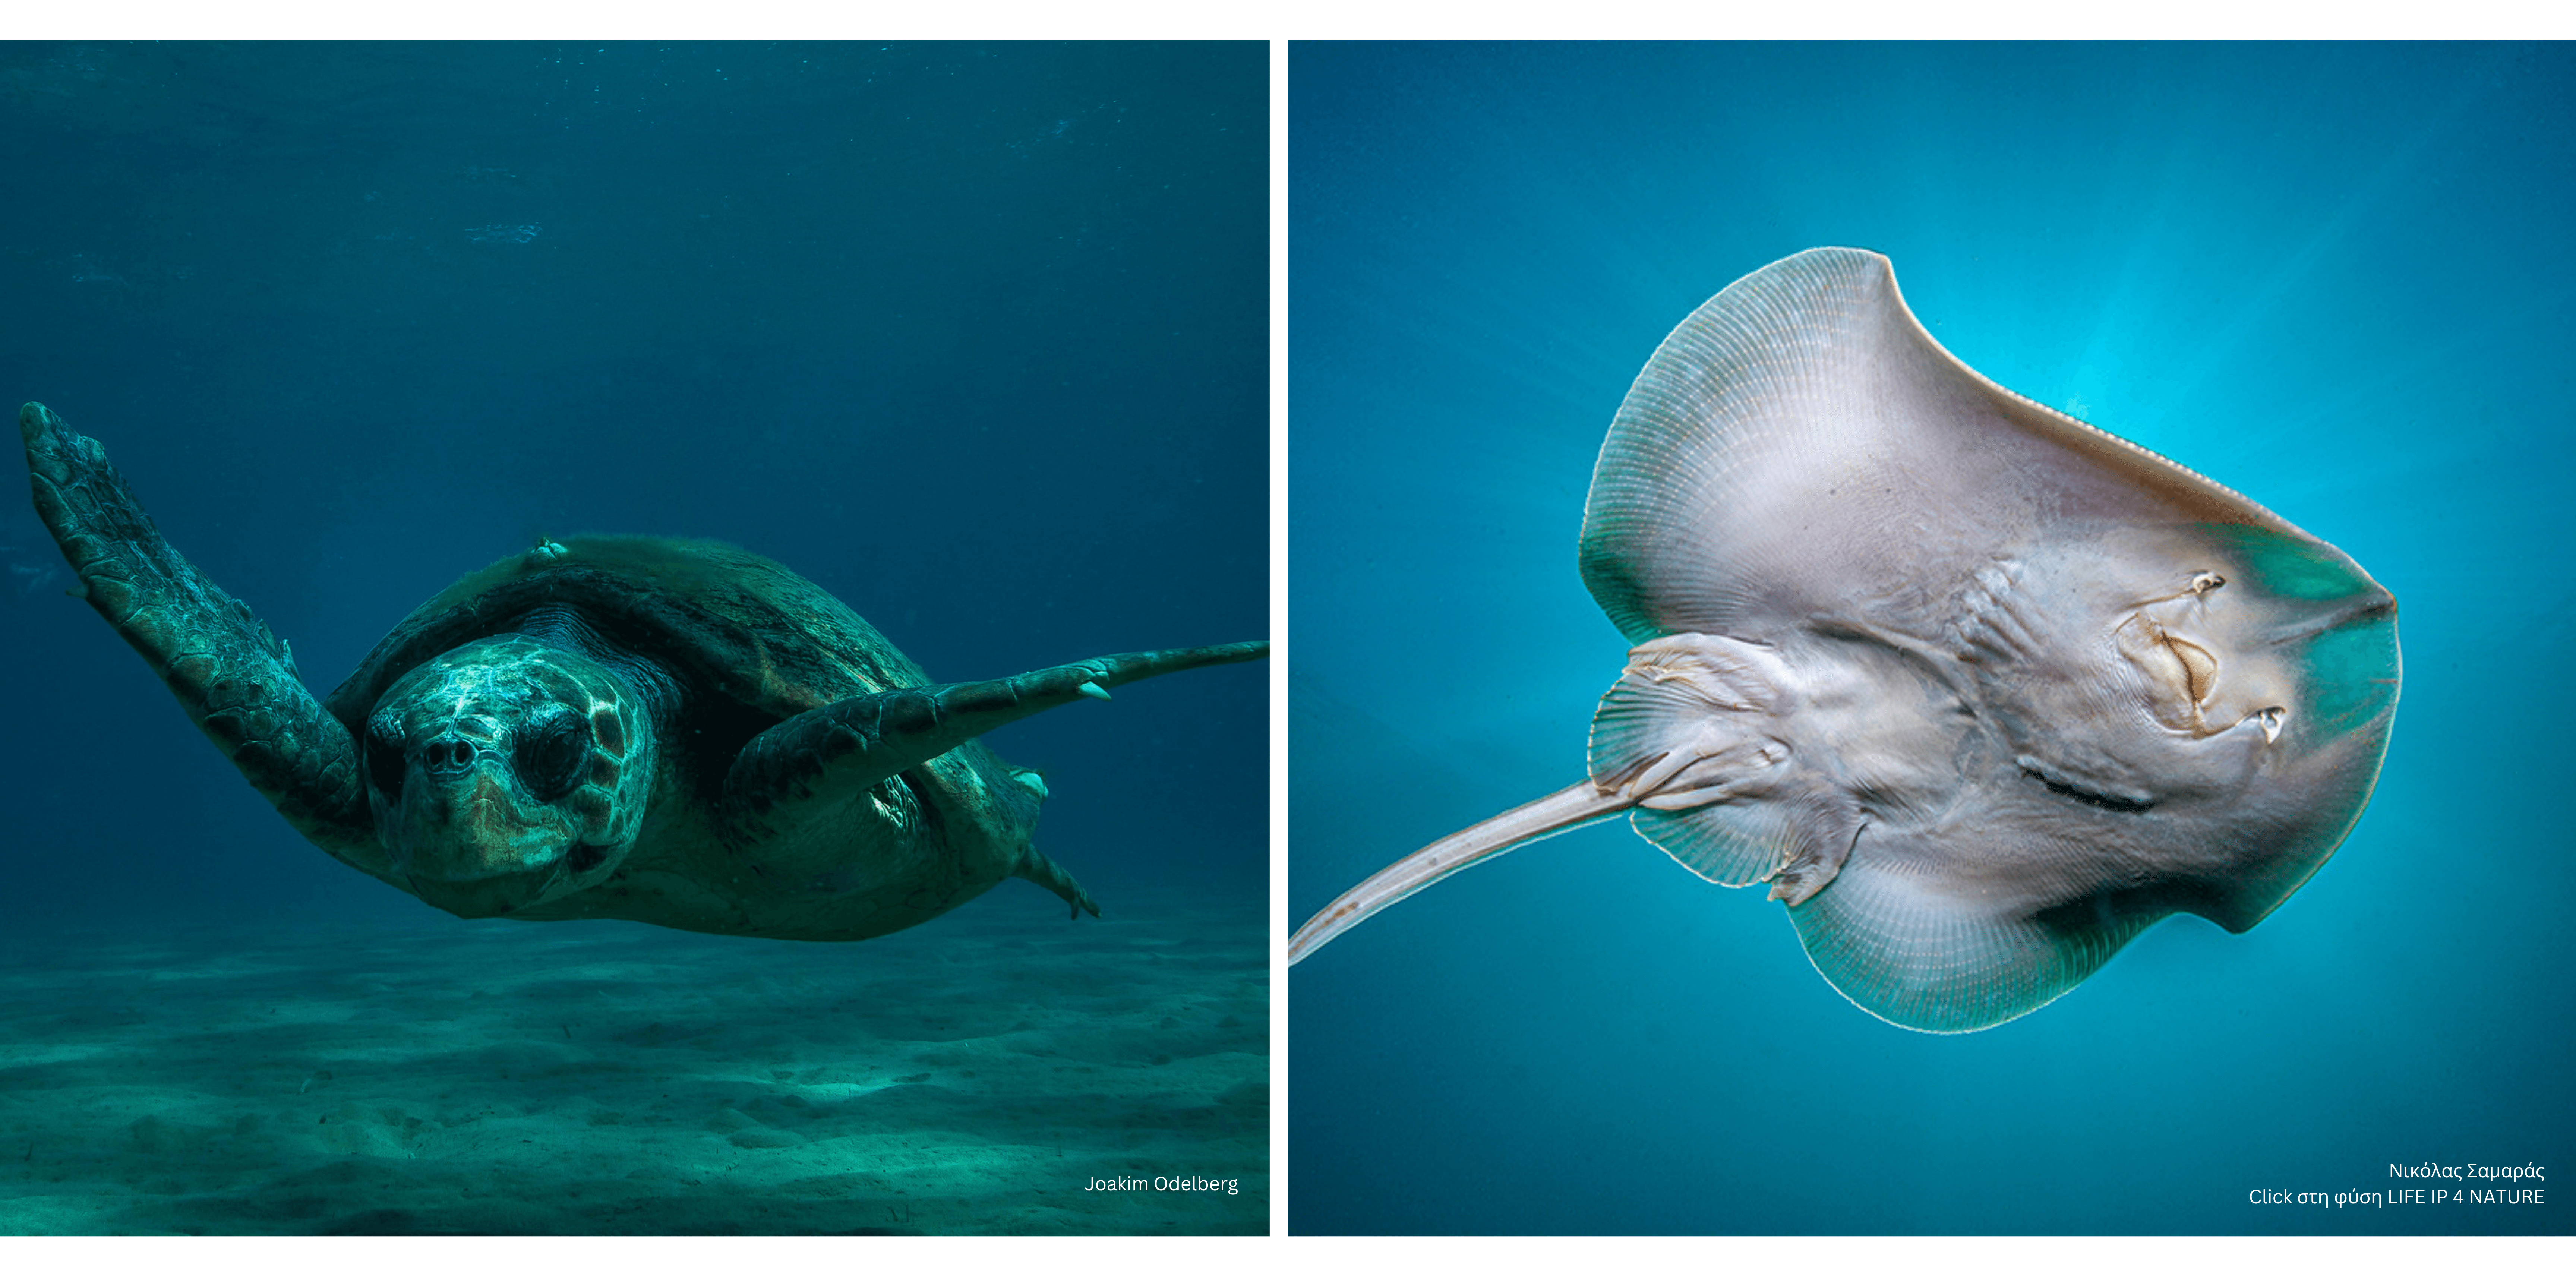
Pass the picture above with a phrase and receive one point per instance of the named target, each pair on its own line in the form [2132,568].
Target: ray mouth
[2181,673]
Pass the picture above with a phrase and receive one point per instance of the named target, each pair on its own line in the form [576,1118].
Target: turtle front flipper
[854,744]
[810,763]
[230,674]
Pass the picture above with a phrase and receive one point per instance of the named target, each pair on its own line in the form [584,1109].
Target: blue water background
[2334,277]
[973,336]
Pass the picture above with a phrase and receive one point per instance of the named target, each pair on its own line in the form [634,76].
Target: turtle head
[507,773]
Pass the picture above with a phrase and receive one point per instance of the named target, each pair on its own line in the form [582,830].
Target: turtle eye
[383,752]
[550,754]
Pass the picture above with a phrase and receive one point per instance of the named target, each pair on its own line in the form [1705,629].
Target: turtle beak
[463,839]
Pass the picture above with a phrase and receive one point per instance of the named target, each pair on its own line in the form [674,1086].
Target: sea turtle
[675,732]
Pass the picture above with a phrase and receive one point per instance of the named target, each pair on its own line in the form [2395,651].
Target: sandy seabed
[973,1075]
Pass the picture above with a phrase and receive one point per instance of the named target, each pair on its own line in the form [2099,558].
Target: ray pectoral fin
[1906,940]
[849,746]
[1576,806]
[233,677]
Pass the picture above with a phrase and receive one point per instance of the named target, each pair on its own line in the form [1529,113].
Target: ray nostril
[2271,718]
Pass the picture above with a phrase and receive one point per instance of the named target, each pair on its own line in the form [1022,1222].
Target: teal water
[2333,277]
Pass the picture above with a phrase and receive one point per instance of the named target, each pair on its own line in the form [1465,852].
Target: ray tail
[1578,806]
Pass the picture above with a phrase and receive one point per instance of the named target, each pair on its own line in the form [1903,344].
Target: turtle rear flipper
[1041,870]
[232,676]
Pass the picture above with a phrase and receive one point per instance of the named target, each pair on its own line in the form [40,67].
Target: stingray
[1978,690]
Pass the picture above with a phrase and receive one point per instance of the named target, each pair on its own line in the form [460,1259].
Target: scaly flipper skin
[833,753]
[1042,872]
[230,674]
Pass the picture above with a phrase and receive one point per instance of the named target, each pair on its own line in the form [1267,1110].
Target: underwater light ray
[2233,339]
